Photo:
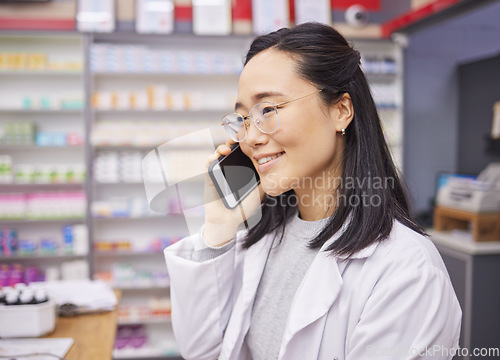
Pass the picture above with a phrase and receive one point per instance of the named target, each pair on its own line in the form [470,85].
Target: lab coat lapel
[255,261]
[318,291]
[253,267]
[316,294]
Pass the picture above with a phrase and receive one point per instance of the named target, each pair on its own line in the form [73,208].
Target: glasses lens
[265,116]
[235,126]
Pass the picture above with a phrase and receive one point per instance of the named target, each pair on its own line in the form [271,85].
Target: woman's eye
[267,110]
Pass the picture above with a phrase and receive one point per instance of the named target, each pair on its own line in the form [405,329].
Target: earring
[343,131]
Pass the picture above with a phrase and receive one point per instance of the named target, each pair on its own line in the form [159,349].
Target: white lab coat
[393,300]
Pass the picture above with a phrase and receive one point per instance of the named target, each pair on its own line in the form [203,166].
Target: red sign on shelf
[373,5]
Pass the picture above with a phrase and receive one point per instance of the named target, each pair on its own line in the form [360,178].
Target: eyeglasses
[264,115]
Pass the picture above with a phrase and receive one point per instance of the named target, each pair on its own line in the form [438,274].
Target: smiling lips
[266,159]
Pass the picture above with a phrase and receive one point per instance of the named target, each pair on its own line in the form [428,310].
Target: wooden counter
[93,335]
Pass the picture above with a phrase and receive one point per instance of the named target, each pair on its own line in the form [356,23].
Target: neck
[317,199]
[314,204]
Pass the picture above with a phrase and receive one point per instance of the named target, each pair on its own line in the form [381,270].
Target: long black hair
[370,195]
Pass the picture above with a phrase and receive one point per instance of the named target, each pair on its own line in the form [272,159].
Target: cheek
[245,148]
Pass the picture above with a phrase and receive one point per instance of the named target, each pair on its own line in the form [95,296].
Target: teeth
[269,158]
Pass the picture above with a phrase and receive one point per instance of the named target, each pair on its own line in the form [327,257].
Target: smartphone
[234,177]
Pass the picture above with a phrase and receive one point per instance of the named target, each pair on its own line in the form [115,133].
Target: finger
[230,142]
[211,158]
[223,149]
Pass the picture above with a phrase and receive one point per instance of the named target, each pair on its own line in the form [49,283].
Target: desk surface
[93,335]
[464,243]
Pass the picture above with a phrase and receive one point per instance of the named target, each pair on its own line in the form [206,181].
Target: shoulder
[407,250]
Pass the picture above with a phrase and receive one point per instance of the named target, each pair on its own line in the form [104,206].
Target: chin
[271,188]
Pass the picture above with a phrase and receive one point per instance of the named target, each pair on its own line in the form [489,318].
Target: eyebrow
[259,96]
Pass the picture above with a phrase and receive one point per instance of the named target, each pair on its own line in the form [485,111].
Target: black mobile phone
[234,177]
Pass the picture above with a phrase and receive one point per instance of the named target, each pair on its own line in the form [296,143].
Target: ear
[342,112]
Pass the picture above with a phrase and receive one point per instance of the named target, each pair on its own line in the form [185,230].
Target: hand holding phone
[232,194]
[234,177]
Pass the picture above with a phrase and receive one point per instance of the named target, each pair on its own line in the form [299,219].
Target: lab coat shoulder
[407,303]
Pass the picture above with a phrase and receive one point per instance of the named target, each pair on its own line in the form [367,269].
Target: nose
[255,137]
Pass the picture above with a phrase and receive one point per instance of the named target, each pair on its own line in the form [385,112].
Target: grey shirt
[285,268]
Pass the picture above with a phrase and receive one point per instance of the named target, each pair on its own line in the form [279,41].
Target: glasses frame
[246,120]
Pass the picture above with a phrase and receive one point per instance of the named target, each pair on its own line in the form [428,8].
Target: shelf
[127,38]
[463,242]
[121,218]
[29,187]
[38,257]
[125,147]
[152,146]
[152,320]
[163,74]
[385,77]
[160,112]
[125,253]
[145,356]
[141,183]
[36,147]
[144,218]
[140,287]
[40,221]
[40,73]
[134,183]
[388,108]
[41,111]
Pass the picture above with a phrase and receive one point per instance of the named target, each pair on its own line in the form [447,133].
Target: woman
[336,268]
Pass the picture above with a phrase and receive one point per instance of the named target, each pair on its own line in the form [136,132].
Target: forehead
[268,71]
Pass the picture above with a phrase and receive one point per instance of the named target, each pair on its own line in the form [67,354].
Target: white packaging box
[212,17]
[27,320]
[159,94]
[306,10]
[269,15]
[155,16]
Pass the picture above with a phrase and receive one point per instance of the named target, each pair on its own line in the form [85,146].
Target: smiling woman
[332,267]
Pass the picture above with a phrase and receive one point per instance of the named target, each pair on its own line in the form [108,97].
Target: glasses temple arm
[289,101]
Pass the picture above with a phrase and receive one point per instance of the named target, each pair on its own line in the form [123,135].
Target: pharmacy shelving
[140,287]
[40,257]
[160,112]
[39,147]
[17,221]
[383,66]
[147,356]
[52,112]
[126,253]
[12,186]
[41,82]
[41,72]
[176,101]
[127,218]
[150,320]
[186,76]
